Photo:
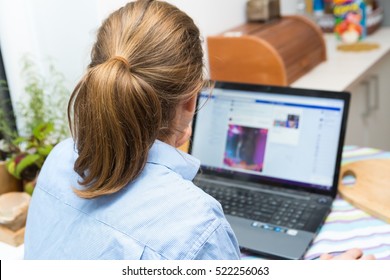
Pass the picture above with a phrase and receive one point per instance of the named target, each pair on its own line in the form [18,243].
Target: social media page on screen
[287,137]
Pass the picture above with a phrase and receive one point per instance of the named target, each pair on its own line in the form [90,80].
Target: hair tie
[121,59]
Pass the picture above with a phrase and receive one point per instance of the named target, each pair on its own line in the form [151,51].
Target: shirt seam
[176,171]
[203,238]
[206,235]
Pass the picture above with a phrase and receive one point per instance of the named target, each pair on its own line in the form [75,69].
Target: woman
[120,189]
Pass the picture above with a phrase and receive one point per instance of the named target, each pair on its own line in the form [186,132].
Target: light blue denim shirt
[160,215]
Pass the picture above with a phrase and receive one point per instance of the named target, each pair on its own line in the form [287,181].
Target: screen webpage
[287,137]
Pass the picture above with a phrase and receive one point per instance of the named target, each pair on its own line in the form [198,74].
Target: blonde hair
[146,60]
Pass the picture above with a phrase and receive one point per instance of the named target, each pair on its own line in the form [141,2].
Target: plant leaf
[19,140]
[11,168]
[42,130]
[45,150]
[27,161]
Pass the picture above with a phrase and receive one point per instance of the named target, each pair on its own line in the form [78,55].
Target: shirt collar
[184,164]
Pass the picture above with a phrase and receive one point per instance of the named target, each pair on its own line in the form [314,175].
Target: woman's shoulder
[172,192]
[185,219]
[62,150]
[58,166]
[169,195]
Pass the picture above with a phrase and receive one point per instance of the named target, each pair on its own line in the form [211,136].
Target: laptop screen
[271,133]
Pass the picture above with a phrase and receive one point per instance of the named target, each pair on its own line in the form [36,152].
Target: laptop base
[264,240]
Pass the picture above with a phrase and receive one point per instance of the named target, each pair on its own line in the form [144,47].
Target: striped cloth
[348,227]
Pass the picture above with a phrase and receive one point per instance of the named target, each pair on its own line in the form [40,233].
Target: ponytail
[124,103]
[112,140]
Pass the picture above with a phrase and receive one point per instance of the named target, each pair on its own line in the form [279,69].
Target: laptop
[271,156]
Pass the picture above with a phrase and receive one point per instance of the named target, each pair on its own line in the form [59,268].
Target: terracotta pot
[7,182]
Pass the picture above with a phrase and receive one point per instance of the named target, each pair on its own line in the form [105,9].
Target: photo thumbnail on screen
[245,147]
[292,121]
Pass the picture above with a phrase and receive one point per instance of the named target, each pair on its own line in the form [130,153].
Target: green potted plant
[43,118]
[8,183]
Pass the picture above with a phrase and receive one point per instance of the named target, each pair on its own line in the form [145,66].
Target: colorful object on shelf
[318,7]
[350,20]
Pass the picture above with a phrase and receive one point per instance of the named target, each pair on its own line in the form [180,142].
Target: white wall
[64,31]
[289,7]
[16,38]
[61,30]
[211,16]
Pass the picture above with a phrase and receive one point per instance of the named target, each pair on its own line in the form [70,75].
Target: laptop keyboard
[262,207]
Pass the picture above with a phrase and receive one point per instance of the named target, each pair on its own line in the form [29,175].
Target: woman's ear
[184,137]
[190,104]
[184,117]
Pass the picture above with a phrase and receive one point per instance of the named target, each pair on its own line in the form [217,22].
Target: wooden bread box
[274,53]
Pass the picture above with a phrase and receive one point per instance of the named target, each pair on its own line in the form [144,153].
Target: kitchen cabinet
[366,75]
[369,118]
